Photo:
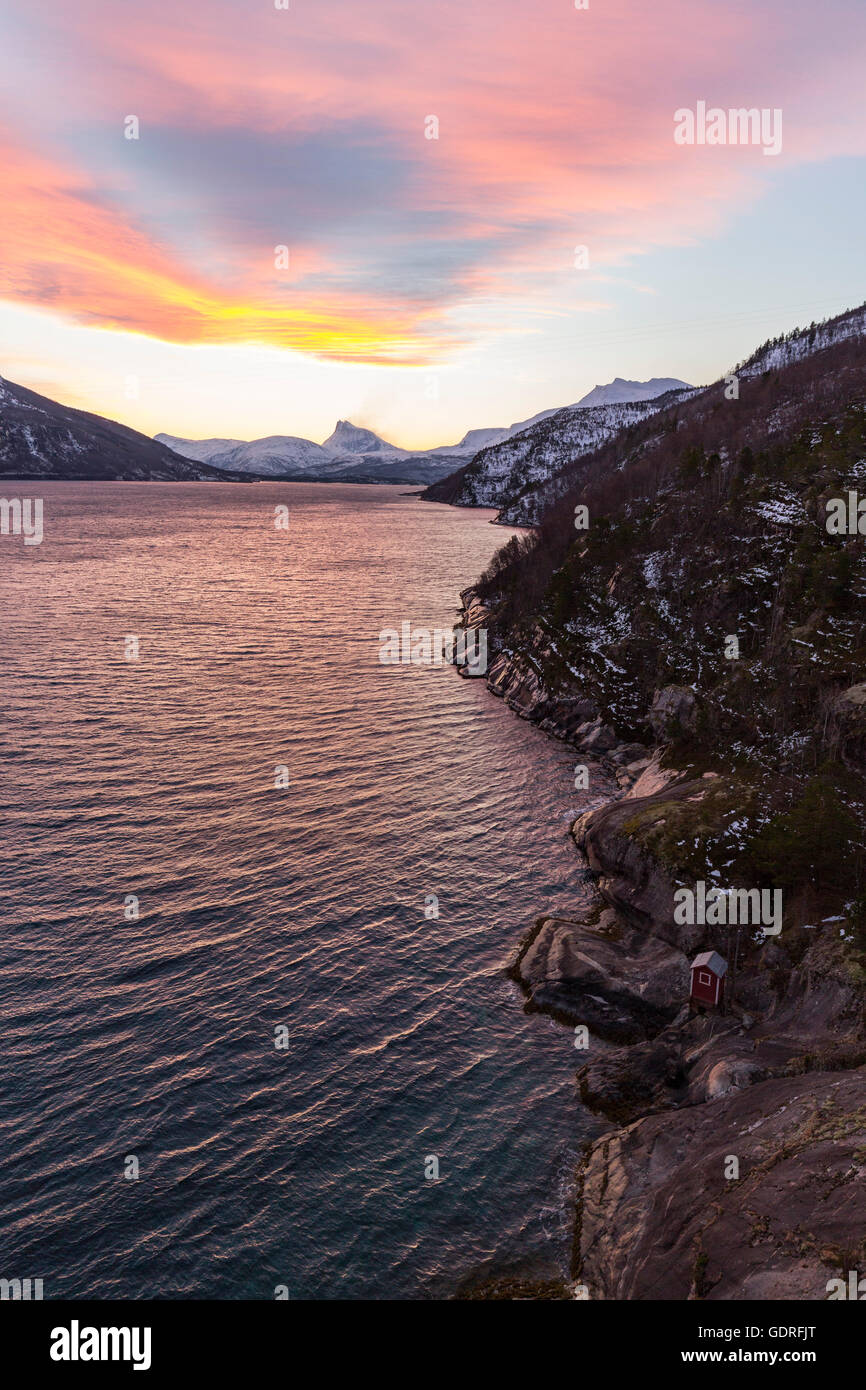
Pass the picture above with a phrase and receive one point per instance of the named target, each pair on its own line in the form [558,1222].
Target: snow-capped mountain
[472,441]
[353,453]
[200,449]
[350,454]
[476,440]
[519,473]
[617,392]
[352,439]
[277,455]
[40,438]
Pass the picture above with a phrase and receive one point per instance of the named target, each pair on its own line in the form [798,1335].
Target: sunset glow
[258,128]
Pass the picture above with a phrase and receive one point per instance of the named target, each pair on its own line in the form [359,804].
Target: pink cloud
[555,129]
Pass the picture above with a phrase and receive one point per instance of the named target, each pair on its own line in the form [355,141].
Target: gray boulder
[673,711]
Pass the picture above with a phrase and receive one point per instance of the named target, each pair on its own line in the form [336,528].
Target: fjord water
[154,1038]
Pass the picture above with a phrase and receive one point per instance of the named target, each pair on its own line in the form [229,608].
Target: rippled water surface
[261,907]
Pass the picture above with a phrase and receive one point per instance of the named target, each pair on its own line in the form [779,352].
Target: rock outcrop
[673,711]
[623,984]
[777,1084]
[630,878]
[757,1195]
[515,677]
[850,714]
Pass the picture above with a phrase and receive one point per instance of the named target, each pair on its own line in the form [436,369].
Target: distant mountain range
[521,468]
[354,454]
[40,438]
[350,454]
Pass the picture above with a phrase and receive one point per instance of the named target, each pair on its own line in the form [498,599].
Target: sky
[372,211]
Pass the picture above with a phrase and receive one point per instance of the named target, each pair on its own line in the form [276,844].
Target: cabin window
[704,977]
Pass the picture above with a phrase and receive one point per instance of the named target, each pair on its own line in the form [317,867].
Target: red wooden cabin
[708,977]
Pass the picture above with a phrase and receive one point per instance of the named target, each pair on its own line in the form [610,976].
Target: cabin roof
[711,960]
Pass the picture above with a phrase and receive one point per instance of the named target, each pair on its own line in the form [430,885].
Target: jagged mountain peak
[354,439]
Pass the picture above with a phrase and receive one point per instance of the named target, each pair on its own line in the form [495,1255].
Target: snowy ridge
[521,475]
[619,392]
[803,342]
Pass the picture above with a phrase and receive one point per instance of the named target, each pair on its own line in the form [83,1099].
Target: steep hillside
[527,473]
[703,608]
[803,342]
[524,475]
[705,522]
[39,438]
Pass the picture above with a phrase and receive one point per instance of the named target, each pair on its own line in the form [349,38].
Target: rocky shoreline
[736,1148]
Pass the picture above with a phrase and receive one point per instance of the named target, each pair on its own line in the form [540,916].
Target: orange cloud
[63,247]
[556,129]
